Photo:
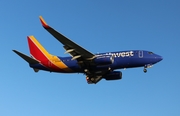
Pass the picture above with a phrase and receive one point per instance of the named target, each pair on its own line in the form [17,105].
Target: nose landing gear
[145,70]
[147,66]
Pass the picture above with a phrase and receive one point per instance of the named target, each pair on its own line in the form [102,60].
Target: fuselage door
[140,54]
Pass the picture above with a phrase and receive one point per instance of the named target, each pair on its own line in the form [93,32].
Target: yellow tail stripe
[40,46]
[53,59]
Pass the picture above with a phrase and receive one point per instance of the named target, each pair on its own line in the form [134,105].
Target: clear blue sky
[99,26]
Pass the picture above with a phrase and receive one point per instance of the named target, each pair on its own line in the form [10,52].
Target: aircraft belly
[122,63]
[73,65]
[39,66]
[129,62]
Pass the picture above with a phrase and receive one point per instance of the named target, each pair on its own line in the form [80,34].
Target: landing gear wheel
[145,70]
[92,79]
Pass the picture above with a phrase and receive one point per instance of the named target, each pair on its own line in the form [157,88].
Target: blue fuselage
[121,59]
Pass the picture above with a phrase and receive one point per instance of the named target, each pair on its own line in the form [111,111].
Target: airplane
[94,66]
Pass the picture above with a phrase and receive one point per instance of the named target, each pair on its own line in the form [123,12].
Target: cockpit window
[150,52]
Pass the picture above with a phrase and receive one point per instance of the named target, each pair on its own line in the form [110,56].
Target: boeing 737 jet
[94,66]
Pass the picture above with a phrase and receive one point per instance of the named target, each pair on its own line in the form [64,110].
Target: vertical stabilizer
[37,50]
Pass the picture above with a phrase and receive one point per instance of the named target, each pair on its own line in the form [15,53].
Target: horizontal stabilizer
[26,58]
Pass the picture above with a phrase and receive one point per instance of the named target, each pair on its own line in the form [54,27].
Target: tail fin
[37,50]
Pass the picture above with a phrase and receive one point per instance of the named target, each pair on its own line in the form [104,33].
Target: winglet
[44,24]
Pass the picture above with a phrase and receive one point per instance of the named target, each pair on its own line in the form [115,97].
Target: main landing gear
[90,80]
[145,70]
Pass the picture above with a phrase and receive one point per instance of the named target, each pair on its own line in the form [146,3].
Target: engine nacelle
[104,60]
[115,75]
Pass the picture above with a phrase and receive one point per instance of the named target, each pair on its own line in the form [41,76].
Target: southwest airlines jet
[94,66]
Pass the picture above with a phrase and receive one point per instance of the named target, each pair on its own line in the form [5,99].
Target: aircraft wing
[76,51]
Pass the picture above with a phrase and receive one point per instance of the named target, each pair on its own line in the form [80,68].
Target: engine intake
[115,75]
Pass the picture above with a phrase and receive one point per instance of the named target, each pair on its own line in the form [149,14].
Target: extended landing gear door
[140,54]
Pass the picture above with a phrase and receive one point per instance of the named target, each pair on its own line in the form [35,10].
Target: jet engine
[104,60]
[115,75]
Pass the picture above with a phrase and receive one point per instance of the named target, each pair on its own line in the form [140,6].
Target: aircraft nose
[159,58]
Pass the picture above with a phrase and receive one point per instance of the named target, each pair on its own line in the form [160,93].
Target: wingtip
[17,52]
[44,24]
[14,51]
